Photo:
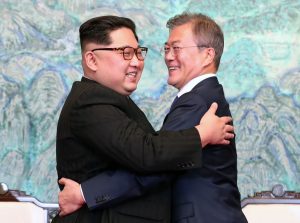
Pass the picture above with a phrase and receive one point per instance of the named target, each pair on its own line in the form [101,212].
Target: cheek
[142,66]
[183,59]
[186,64]
[120,67]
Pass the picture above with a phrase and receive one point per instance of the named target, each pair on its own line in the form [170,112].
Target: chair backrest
[17,207]
[276,206]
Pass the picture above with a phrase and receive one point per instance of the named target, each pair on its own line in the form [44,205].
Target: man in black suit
[101,129]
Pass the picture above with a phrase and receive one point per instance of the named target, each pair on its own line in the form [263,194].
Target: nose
[134,61]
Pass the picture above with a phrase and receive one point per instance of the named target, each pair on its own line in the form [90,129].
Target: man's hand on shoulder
[70,198]
[214,129]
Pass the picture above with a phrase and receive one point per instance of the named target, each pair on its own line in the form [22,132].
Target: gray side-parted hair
[206,31]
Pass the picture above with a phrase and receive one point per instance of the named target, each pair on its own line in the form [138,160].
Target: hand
[213,129]
[70,198]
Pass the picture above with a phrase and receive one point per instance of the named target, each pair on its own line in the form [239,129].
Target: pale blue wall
[260,71]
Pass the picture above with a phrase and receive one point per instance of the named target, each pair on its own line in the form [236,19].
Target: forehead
[181,34]
[123,37]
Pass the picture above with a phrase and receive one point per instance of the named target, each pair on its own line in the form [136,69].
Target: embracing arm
[108,191]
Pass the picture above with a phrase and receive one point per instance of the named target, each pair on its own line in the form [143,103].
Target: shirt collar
[192,83]
[87,77]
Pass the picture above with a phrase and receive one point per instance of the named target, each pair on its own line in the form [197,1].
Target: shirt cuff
[82,194]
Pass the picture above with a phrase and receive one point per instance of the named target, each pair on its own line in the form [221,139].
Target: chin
[170,82]
[130,90]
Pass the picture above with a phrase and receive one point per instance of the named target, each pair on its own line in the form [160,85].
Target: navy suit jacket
[210,193]
[207,194]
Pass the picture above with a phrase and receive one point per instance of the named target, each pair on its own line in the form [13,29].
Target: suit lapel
[138,115]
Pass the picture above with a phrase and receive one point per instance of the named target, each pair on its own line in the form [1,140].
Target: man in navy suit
[205,195]
[192,55]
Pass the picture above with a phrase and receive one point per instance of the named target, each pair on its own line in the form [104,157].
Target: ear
[90,60]
[210,56]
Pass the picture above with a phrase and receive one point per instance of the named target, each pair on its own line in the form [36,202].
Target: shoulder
[89,93]
[192,98]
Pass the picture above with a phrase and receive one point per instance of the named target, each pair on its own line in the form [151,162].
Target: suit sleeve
[113,187]
[109,132]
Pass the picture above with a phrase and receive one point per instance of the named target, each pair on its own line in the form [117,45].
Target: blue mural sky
[260,71]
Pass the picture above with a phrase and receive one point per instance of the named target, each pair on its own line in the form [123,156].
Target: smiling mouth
[173,68]
[131,74]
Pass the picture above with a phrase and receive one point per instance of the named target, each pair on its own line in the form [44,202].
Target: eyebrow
[174,42]
[129,46]
[123,46]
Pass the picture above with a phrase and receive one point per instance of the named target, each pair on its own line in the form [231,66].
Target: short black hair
[98,29]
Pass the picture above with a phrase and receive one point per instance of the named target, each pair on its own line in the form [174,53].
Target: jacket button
[191,164]
[102,198]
